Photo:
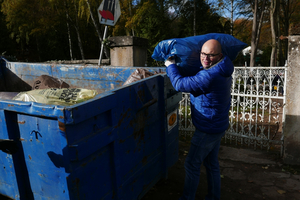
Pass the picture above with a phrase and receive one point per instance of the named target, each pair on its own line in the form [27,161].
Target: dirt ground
[239,180]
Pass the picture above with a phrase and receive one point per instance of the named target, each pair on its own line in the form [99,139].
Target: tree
[76,26]
[274,30]
[258,9]
[92,4]
[149,22]
[208,20]
[68,29]
[7,46]
[125,25]
[231,9]
[288,15]
[28,21]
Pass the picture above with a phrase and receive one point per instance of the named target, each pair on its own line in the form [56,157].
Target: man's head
[211,53]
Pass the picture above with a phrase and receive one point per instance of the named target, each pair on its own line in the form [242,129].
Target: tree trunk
[68,29]
[288,7]
[130,12]
[286,25]
[254,35]
[70,40]
[258,15]
[78,34]
[279,46]
[106,52]
[273,19]
[79,42]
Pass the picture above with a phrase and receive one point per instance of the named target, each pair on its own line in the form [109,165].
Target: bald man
[210,102]
[211,53]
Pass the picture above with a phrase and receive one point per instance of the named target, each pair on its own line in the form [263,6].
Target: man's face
[209,56]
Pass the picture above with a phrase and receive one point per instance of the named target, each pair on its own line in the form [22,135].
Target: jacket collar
[215,63]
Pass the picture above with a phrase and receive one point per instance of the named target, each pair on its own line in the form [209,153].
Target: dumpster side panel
[90,135]
[94,176]
[8,183]
[18,164]
[118,153]
[37,168]
[140,137]
[90,152]
[41,141]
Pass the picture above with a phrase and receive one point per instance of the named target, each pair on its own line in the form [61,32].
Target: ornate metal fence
[256,114]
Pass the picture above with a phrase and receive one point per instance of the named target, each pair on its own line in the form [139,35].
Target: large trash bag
[187,50]
[64,97]
[137,75]
[46,82]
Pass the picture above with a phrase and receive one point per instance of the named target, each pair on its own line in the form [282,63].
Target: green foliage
[38,28]
[160,20]
[7,45]
[207,21]
[149,23]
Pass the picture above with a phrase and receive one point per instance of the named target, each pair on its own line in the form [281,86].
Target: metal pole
[104,35]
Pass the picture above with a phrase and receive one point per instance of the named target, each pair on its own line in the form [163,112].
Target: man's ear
[221,55]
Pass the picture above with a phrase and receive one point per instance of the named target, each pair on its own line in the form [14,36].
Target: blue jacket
[210,94]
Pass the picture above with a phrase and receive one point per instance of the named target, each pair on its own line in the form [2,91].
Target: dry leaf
[281,191]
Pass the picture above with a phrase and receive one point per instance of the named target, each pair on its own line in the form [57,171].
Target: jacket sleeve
[196,85]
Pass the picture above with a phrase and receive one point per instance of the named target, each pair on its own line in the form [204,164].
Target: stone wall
[292,110]
[128,51]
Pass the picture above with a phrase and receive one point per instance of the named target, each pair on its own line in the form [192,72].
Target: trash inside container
[114,146]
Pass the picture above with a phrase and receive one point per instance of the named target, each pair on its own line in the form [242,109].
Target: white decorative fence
[256,114]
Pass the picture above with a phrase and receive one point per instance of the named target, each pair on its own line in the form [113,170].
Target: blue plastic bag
[187,50]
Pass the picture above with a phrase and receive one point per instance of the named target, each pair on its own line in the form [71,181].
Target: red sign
[109,12]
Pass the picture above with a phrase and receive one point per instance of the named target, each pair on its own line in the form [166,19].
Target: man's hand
[169,61]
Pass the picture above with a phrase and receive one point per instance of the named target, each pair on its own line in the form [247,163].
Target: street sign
[109,12]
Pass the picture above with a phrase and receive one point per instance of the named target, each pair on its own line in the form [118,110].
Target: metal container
[114,146]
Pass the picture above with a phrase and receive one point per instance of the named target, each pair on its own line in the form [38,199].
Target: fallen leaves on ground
[281,191]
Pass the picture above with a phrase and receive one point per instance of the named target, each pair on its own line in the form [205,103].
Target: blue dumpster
[114,146]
